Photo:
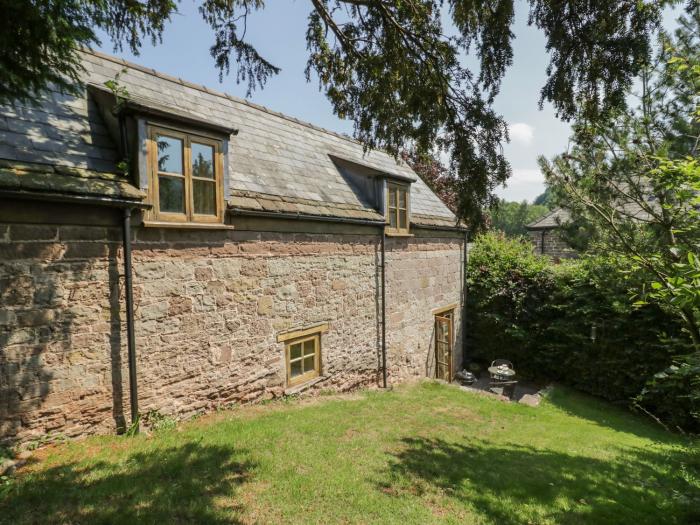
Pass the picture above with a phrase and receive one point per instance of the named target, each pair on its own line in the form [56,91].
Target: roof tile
[272,154]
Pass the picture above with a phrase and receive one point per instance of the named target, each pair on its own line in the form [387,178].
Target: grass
[426,453]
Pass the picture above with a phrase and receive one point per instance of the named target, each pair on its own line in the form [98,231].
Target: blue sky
[278,32]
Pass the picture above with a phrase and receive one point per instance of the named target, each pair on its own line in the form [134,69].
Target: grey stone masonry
[550,242]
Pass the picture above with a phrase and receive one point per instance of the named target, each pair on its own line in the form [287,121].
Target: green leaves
[512,217]
[633,180]
[39,44]
[121,93]
[225,17]
[596,50]
[574,323]
[390,69]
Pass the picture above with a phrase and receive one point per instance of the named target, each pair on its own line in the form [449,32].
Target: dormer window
[185,177]
[397,206]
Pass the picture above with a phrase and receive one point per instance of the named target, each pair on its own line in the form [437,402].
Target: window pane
[309,347]
[392,197]
[402,198]
[443,331]
[204,197]
[171,194]
[441,350]
[202,160]
[403,222]
[295,369]
[169,154]
[295,351]
[392,218]
[308,363]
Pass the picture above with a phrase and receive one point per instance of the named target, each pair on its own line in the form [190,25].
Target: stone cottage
[167,247]
[546,236]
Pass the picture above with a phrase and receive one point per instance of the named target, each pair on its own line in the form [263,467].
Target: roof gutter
[305,217]
[326,218]
[440,228]
[75,199]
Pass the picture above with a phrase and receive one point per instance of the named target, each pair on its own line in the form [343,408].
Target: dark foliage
[435,175]
[631,185]
[546,199]
[512,218]
[574,323]
[681,380]
[38,46]
[388,67]
[611,40]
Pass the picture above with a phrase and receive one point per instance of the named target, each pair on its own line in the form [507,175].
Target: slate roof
[255,201]
[64,180]
[273,158]
[552,219]
[560,216]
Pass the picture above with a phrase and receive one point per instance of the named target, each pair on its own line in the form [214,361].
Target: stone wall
[208,307]
[422,275]
[554,246]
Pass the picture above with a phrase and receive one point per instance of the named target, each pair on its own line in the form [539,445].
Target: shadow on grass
[187,484]
[585,406]
[512,484]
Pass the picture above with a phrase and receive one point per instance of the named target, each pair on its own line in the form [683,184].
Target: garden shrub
[673,395]
[575,323]
[507,286]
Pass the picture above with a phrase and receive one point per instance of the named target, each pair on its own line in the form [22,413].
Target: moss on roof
[45,178]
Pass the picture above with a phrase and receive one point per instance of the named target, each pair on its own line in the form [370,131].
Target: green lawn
[428,453]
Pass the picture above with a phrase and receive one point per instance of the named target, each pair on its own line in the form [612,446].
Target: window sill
[188,225]
[298,389]
[397,234]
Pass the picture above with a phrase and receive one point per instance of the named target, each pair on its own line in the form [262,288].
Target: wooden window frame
[309,375]
[393,208]
[189,216]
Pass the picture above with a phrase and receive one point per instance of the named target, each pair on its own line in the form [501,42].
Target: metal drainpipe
[384,306]
[464,298]
[131,339]
[542,242]
[128,284]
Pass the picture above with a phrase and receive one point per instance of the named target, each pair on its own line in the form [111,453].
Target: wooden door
[443,346]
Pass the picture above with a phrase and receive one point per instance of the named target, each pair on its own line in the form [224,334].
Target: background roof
[552,219]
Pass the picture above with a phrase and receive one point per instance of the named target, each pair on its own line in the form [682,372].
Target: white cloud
[524,184]
[527,175]
[521,132]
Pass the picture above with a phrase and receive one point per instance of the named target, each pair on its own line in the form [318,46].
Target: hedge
[572,323]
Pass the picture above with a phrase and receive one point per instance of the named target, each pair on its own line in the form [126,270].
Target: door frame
[447,315]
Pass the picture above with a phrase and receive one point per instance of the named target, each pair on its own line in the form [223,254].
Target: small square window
[303,357]
[397,208]
[186,177]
